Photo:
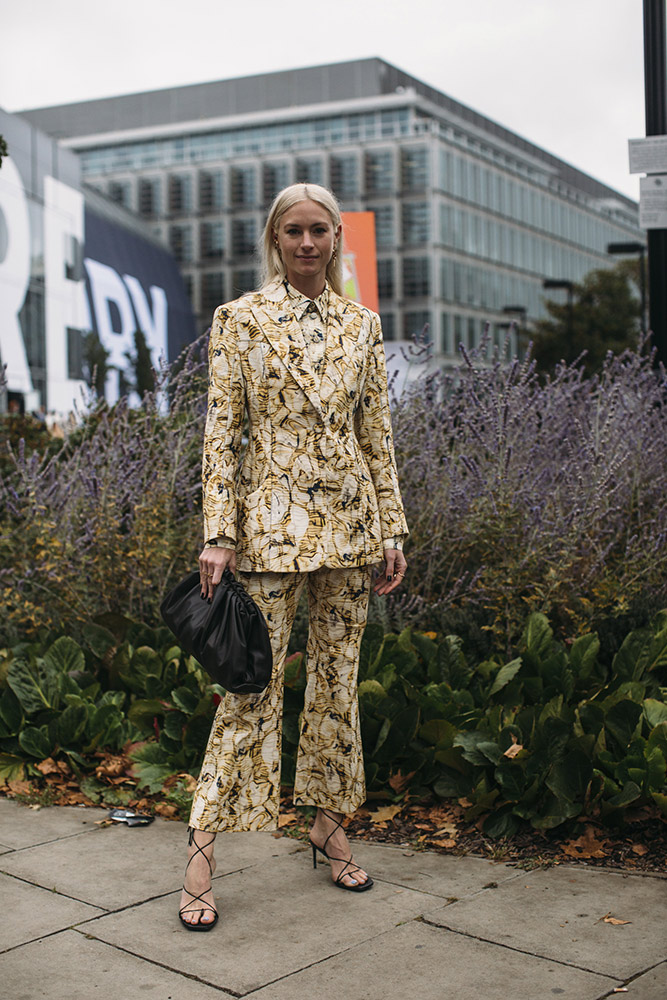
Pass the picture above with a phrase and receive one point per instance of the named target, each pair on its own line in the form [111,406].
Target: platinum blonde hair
[272,264]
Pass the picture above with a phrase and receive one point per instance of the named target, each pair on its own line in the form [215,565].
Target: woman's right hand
[213,561]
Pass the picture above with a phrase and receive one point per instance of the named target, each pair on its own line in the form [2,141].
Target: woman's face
[306,238]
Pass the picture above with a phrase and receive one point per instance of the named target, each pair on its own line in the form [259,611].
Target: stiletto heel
[349,868]
[207,925]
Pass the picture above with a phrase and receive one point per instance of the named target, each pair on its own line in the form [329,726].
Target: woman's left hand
[392,572]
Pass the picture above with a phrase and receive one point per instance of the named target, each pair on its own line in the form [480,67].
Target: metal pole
[655,85]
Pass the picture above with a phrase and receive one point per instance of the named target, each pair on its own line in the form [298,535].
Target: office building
[469,217]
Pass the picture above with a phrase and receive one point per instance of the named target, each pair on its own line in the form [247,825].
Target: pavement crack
[162,965]
[510,947]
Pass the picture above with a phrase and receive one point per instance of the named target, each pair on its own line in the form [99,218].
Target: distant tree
[605,316]
[3,149]
[142,365]
[95,363]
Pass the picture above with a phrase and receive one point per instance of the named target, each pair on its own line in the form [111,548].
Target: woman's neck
[310,287]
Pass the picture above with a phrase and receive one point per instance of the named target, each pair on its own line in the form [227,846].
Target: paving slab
[31,912]
[21,826]
[438,874]
[274,919]
[416,960]
[68,966]
[651,986]
[558,913]
[116,866]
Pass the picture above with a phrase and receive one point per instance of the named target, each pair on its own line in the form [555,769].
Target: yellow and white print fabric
[239,784]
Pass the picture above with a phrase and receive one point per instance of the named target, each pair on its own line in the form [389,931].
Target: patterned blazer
[315,484]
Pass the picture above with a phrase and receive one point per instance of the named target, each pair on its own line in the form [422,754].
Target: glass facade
[466,221]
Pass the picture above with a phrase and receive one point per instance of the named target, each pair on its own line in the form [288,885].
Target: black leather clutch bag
[229,636]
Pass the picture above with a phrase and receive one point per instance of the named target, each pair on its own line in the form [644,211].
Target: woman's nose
[306,240]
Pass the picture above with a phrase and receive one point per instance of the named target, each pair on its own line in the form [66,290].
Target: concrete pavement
[90,912]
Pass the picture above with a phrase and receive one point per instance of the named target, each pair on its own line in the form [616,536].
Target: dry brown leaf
[112,767]
[48,766]
[639,849]
[443,843]
[399,782]
[385,813]
[449,829]
[608,919]
[586,846]
[513,750]
[466,803]
[166,810]
[286,819]
[19,787]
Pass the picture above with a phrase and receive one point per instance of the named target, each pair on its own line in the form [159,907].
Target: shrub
[524,495]
[110,520]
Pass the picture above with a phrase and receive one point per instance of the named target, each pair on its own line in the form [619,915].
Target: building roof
[265,92]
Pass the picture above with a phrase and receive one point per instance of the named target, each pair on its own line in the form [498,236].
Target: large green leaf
[64,656]
[569,778]
[12,768]
[501,823]
[505,675]
[185,699]
[36,742]
[70,726]
[438,732]
[628,794]
[11,714]
[36,687]
[622,721]
[583,655]
[655,711]
[538,636]
[478,748]
[656,771]
[630,661]
[99,639]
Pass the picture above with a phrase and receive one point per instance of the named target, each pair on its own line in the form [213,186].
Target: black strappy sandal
[350,867]
[207,925]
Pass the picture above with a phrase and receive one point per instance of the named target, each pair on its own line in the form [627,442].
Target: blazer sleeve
[374,433]
[224,427]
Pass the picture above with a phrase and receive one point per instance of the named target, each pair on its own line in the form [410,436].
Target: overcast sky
[565,74]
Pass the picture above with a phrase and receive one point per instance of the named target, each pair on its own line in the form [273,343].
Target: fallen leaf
[608,919]
[166,810]
[514,749]
[639,849]
[385,813]
[276,834]
[448,829]
[48,766]
[19,787]
[287,818]
[443,843]
[399,782]
[586,846]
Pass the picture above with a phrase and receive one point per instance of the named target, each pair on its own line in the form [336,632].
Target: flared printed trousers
[239,784]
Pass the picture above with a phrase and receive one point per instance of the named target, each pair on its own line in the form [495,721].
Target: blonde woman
[313,502]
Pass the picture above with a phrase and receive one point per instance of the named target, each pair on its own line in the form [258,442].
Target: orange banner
[360,273]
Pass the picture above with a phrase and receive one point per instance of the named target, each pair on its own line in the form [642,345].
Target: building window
[243,186]
[211,191]
[416,223]
[275,177]
[446,280]
[189,284]
[380,172]
[309,172]
[211,240]
[149,197]
[121,193]
[243,281]
[244,237]
[212,291]
[417,324]
[180,194]
[446,334]
[416,277]
[414,168]
[180,243]
[344,177]
[384,225]
[386,279]
[388,323]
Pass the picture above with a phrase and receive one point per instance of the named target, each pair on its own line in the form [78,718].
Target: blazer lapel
[283,333]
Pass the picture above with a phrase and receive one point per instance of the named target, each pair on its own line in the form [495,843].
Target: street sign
[648,156]
[653,202]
